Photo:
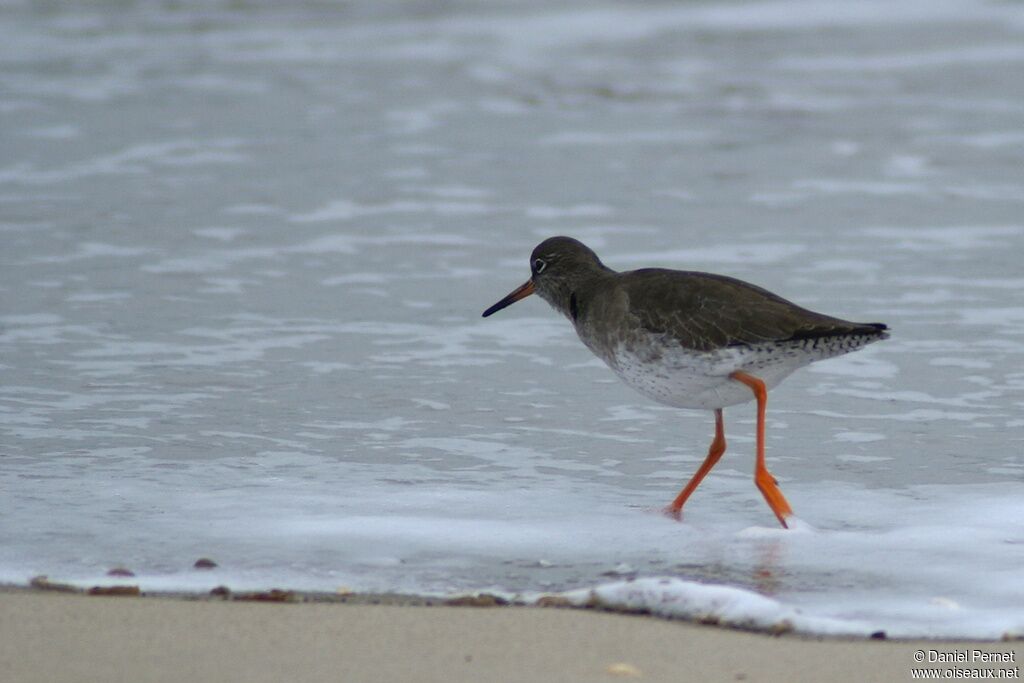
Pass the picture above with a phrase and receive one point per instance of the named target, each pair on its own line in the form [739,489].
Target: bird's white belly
[685,379]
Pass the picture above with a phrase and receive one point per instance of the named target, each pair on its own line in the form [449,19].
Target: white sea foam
[242,295]
[345,210]
[692,259]
[723,605]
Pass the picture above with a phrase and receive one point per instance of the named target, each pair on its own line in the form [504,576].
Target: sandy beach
[54,637]
[246,249]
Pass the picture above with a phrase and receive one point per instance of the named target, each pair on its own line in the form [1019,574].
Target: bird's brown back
[705,311]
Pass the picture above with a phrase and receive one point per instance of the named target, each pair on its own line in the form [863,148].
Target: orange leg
[762,477]
[714,453]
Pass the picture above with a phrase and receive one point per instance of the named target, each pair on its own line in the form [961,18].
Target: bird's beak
[515,295]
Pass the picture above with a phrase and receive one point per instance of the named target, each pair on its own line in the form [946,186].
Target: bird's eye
[539,265]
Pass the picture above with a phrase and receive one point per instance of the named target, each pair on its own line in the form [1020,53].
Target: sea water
[244,249]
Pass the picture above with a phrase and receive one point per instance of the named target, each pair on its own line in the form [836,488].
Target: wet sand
[54,637]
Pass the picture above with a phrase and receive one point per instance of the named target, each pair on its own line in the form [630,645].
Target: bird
[689,339]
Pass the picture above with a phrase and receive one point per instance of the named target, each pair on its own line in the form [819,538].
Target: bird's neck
[567,295]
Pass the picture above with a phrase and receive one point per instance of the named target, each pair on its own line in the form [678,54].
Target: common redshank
[689,339]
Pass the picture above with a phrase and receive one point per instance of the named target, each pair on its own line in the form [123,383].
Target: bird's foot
[769,488]
[673,512]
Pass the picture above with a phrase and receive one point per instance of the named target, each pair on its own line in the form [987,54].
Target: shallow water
[245,251]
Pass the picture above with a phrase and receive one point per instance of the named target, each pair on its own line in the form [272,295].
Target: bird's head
[558,265]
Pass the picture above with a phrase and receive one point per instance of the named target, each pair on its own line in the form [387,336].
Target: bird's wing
[703,311]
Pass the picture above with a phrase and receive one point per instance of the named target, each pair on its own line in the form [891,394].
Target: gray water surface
[244,251]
